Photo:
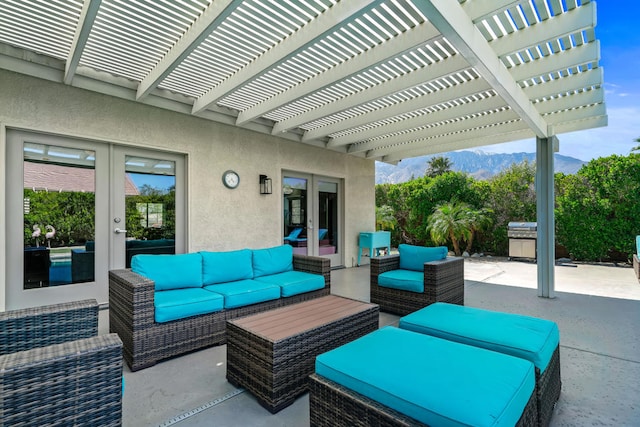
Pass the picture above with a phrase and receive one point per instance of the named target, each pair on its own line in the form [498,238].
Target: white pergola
[378,79]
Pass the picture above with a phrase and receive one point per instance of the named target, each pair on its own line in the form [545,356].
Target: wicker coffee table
[271,354]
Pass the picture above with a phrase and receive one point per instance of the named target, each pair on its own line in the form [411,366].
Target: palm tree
[450,221]
[385,220]
[437,166]
[479,220]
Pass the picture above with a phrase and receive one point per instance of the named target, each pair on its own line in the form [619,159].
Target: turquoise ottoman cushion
[294,282]
[272,260]
[245,292]
[414,257]
[527,337]
[435,381]
[406,280]
[170,271]
[180,303]
[224,267]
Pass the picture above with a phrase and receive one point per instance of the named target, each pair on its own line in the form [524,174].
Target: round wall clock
[231,179]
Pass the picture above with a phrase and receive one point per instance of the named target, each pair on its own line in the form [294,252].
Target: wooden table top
[280,323]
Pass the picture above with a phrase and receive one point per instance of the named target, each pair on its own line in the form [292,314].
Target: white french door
[69,204]
[312,215]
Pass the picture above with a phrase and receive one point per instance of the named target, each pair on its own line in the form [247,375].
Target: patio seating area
[597,310]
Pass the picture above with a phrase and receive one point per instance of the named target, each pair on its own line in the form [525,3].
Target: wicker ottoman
[530,338]
[395,377]
[271,354]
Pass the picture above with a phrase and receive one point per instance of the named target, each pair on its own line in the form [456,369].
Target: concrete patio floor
[597,309]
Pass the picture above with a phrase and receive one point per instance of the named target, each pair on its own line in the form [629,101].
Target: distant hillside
[478,164]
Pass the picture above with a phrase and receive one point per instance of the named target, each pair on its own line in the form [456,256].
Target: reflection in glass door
[294,191]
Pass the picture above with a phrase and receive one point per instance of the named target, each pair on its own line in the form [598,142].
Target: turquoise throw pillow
[170,271]
[272,260]
[223,267]
[414,257]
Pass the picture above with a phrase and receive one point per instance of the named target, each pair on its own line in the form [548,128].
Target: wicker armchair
[55,370]
[443,282]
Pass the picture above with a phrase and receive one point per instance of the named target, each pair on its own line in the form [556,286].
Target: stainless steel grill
[522,239]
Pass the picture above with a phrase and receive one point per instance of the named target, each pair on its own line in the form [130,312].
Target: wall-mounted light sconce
[265,184]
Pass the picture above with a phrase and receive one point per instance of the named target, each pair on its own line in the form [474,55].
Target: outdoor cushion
[272,260]
[435,381]
[180,303]
[223,267]
[294,282]
[406,280]
[294,234]
[527,337]
[638,245]
[170,271]
[414,257]
[245,292]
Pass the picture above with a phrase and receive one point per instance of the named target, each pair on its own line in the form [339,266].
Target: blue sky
[617,22]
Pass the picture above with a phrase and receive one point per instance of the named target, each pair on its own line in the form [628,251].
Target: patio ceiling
[384,80]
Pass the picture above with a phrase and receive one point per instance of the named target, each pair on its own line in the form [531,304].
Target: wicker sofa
[442,280]
[56,370]
[132,315]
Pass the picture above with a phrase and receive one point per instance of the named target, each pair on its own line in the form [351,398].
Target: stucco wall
[218,218]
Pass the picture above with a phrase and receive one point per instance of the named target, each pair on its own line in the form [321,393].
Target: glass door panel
[294,191]
[150,200]
[57,245]
[59,215]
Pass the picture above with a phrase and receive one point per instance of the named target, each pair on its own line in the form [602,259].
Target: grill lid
[523,226]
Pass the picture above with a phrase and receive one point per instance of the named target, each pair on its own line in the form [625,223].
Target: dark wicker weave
[55,371]
[333,405]
[276,371]
[131,316]
[443,282]
[548,386]
[636,266]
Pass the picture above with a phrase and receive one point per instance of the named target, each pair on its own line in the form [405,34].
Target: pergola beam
[452,21]
[85,23]
[434,71]
[405,42]
[207,23]
[336,17]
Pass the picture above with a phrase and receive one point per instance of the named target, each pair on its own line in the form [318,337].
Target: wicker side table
[271,354]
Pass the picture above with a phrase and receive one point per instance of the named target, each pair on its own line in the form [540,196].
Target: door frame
[105,182]
[313,217]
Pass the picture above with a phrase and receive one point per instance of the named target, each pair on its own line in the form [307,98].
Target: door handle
[119,231]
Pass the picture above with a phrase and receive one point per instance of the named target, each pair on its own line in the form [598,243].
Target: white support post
[545,148]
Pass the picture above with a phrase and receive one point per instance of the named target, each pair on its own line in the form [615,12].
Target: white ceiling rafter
[200,30]
[361,77]
[85,23]
[331,20]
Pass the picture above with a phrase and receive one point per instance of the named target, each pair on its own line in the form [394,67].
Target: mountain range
[476,163]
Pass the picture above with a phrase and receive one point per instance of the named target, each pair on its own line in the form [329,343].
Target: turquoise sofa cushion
[406,280]
[434,381]
[527,337]
[170,271]
[294,282]
[637,245]
[245,292]
[223,267]
[272,260]
[414,257]
[180,303]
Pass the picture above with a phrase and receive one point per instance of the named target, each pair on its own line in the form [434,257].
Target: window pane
[59,215]
[150,190]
